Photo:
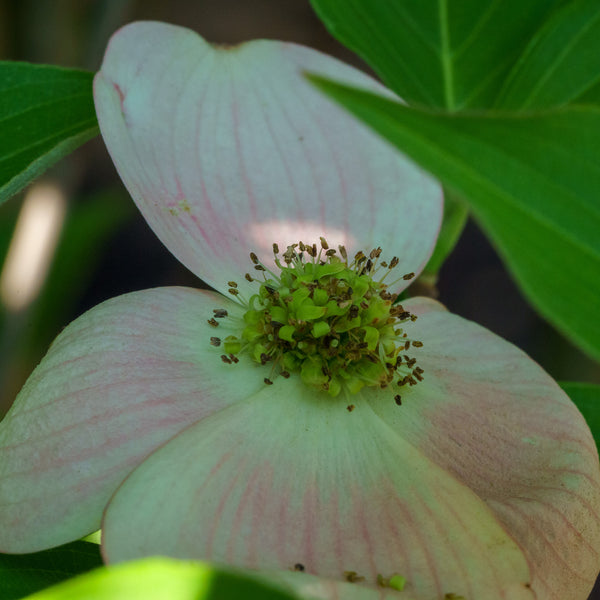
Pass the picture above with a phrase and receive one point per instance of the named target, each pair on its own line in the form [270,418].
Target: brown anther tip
[343,252]
[254,258]
[275,249]
[213,322]
[220,313]
[350,407]
[398,399]
[394,262]
[268,381]
[234,358]
[324,243]
[353,577]
[417,344]
[299,567]
[215,341]
[259,268]
[264,359]
[330,252]
[413,317]
[232,284]
[406,345]
[233,291]
[408,276]
[225,359]
[285,374]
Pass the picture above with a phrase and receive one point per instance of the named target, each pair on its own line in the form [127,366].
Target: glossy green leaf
[161,579]
[449,54]
[587,398]
[22,574]
[533,184]
[45,113]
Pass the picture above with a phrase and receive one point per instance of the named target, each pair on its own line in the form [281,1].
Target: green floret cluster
[327,319]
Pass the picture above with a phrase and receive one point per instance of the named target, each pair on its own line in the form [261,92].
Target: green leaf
[158,579]
[533,184]
[45,113]
[561,64]
[455,217]
[27,573]
[586,397]
[449,54]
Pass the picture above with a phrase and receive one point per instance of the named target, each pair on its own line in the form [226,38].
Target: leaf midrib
[445,57]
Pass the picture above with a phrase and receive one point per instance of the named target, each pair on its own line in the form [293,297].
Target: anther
[254,258]
[220,313]
[417,344]
[285,374]
[232,284]
[268,381]
[324,243]
[394,262]
[213,322]
[406,345]
[275,249]
[410,362]
[226,359]
[264,359]
[249,277]
[299,567]
[233,291]
[215,341]
[259,268]
[343,252]
[234,358]
[350,407]
[408,276]
[398,399]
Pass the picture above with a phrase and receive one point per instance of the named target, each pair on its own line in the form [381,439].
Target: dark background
[473,283]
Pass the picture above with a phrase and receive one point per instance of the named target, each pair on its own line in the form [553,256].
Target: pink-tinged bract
[484,482]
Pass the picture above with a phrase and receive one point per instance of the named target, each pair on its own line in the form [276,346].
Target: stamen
[326,319]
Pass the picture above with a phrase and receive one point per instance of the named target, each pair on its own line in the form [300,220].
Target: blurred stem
[453,223]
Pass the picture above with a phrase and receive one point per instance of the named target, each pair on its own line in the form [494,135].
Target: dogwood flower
[299,420]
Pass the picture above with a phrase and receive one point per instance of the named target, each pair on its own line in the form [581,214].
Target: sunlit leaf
[22,574]
[159,579]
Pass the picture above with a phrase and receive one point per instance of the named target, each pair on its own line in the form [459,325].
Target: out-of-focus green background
[106,249]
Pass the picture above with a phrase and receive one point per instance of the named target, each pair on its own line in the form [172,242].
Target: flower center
[326,317]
